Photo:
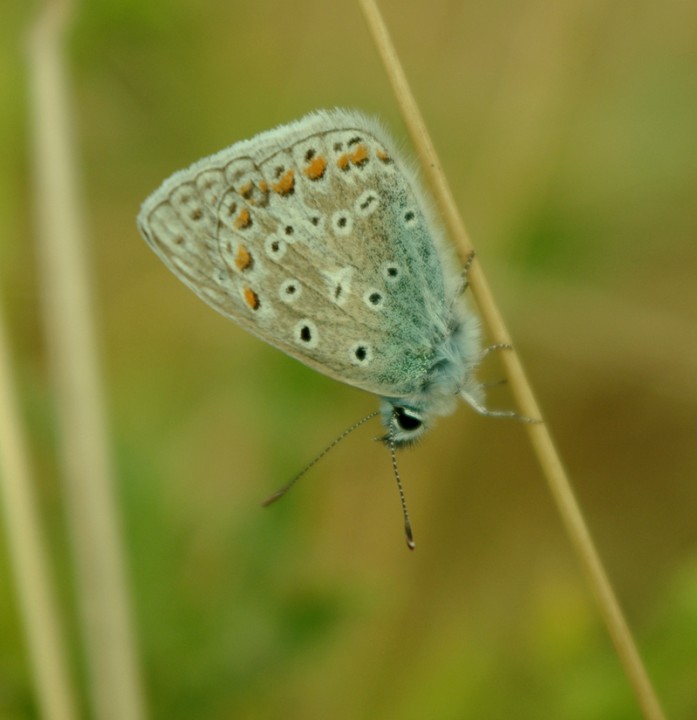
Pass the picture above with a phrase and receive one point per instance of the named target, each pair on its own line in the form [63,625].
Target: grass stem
[539,434]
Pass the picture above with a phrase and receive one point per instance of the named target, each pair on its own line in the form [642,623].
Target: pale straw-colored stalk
[113,675]
[28,557]
[539,434]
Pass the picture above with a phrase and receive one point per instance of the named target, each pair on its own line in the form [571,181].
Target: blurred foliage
[568,132]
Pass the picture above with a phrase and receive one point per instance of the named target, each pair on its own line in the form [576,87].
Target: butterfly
[318,238]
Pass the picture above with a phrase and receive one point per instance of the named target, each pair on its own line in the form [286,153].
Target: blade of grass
[539,434]
[114,679]
[28,557]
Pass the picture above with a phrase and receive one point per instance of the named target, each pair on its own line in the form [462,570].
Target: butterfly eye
[407,420]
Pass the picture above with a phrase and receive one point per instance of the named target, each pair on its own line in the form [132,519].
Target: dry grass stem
[114,680]
[28,557]
[539,434]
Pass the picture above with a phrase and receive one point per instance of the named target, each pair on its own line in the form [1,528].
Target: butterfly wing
[313,237]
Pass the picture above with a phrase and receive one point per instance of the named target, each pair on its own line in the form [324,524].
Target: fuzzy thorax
[451,373]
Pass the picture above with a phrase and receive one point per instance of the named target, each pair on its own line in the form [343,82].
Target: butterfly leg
[492,348]
[483,410]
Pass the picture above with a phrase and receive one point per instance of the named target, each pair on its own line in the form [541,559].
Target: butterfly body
[317,238]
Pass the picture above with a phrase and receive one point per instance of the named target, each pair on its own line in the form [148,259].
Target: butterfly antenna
[407,523]
[282,491]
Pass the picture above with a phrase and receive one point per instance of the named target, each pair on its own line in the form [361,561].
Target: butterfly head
[405,424]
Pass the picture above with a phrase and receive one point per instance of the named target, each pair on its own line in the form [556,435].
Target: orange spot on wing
[382,155]
[315,170]
[243,220]
[285,184]
[246,190]
[359,155]
[251,298]
[243,258]
[263,186]
[342,162]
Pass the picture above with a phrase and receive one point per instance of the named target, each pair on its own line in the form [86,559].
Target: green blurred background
[569,133]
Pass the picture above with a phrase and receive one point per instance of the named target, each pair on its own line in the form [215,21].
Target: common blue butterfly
[317,237]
